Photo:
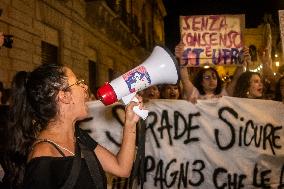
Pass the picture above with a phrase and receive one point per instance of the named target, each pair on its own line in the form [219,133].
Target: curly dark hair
[243,84]
[278,95]
[4,114]
[33,106]
[199,78]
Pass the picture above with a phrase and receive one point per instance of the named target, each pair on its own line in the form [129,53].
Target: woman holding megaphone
[46,148]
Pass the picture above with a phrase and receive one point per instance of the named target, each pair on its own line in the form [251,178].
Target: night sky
[253,9]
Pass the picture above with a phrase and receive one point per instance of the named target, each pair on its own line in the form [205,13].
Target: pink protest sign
[212,39]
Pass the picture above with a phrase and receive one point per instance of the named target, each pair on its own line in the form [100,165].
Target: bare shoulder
[43,149]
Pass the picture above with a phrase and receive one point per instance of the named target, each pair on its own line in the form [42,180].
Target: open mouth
[173,95]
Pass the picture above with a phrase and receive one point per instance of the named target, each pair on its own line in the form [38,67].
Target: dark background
[254,11]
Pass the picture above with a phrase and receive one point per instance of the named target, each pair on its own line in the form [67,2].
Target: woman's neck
[208,92]
[59,131]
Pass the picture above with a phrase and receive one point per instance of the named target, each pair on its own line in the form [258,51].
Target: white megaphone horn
[160,67]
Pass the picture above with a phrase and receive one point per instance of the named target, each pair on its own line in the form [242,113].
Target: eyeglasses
[207,77]
[78,82]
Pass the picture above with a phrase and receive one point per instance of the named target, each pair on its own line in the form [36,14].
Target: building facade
[98,39]
[258,38]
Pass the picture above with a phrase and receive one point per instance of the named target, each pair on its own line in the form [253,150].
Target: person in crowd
[249,85]
[3,119]
[279,90]
[51,151]
[1,84]
[5,98]
[4,114]
[207,83]
[170,91]
[152,92]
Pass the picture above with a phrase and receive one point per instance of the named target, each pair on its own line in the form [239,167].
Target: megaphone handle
[131,97]
[141,113]
[128,98]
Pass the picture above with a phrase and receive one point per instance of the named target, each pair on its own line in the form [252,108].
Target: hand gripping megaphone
[160,67]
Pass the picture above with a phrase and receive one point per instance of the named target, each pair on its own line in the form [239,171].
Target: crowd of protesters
[207,84]
[45,104]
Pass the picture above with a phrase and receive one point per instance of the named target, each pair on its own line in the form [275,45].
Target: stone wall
[67,25]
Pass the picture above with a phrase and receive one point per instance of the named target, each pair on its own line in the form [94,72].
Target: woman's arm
[239,70]
[267,72]
[121,164]
[186,83]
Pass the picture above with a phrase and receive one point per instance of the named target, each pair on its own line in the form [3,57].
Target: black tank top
[48,172]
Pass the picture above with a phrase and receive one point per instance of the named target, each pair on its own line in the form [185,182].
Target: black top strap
[87,146]
[75,170]
[76,165]
[93,166]
[50,142]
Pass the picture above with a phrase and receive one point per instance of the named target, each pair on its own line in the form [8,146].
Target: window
[93,76]
[49,53]
[110,74]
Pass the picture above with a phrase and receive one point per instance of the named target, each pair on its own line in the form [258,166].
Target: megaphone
[160,67]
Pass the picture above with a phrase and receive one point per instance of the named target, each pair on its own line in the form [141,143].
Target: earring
[247,93]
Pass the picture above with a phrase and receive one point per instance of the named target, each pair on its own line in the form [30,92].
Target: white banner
[220,143]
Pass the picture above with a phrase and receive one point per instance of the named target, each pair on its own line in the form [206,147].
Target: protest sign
[212,39]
